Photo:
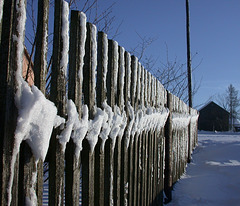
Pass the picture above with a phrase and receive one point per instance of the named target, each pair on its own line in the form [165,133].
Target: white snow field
[213,176]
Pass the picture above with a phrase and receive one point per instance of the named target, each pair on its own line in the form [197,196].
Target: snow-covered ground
[213,176]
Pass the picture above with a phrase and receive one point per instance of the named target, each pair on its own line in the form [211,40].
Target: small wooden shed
[212,117]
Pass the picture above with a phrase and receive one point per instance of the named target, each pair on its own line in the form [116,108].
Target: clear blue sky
[214,30]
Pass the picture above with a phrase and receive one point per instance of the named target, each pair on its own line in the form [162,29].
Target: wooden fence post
[40,69]
[6,98]
[134,63]
[111,99]
[189,139]
[10,54]
[145,144]
[89,84]
[120,104]
[136,137]
[101,97]
[141,142]
[77,44]
[124,193]
[168,151]
[58,96]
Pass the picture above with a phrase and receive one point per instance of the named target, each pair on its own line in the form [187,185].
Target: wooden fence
[130,140]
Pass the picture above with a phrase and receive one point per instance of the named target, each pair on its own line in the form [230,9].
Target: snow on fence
[112,136]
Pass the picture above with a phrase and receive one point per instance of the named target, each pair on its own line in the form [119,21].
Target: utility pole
[189,69]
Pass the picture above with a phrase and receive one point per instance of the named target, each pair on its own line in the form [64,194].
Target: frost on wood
[75,128]
[36,118]
[32,200]
[130,124]
[107,122]
[80,130]
[36,115]
[128,73]
[145,119]
[45,45]
[83,32]
[150,119]
[94,129]
[65,37]
[105,60]
[117,125]
[94,55]
[180,120]
[121,75]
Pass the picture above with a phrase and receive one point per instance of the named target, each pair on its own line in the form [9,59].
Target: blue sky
[214,30]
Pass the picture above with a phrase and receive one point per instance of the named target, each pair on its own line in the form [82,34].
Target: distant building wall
[212,117]
[27,70]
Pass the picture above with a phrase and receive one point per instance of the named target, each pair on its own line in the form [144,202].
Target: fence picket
[110,143]
[57,95]
[89,84]
[101,98]
[124,181]
[9,112]
[73,163]
[40,69]
[120,104]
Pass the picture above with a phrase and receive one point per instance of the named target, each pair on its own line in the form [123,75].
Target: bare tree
[230,102]
[174,77]
[171,72]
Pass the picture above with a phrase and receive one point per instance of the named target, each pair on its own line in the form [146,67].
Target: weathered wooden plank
[6,90]
[120,104]
[155,158]
[40,57]
[135,169]
[154,137]
[76,59]
[150,144]
[112,72]
[40,69]
[136,136]
[10,50]
[102,68]
[141,141]
[134,67]
[134,64]
[57,95]
[124,181]
[121,78]
[139,174]
[168,152]
[190,139]
[143,173]
[145,147]
[162,163]
[89,86]
[89,69]
[117,171]
[101,97]
[77,44]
